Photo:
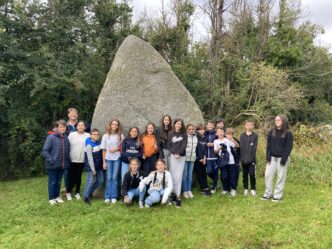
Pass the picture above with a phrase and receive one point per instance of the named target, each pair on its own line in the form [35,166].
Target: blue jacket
[130,149]
[56,152]
[96,155]
[201,147]
[210,137]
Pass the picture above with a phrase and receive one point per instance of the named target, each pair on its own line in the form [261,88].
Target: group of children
[155,166]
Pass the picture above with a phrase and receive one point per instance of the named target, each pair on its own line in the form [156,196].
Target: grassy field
[301,220]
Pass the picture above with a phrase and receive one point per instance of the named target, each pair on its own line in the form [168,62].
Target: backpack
[223,159]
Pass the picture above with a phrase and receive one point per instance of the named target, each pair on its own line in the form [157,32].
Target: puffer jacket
[191,148]
[56,152]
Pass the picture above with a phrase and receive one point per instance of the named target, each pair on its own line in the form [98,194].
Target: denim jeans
[112,175]
[187,176]
[212,171]
[93,182]
[54,183]
[134,192]
[124,170]
[66,177]
[154,197]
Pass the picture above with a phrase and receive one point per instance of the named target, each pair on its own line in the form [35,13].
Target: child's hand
[177,156]
[104,166]
[94,173]
[115,149]
[209,144]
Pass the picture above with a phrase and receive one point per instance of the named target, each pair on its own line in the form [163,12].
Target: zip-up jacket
[130,149]
[56,152]
[201,147]
[248,148]
[191,148]
[210,137]
[93,155]
[129,182]
[177,143]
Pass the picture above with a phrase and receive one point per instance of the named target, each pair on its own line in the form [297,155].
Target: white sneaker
[233,192]
[52,202]
[190,194]
[107,201]
[78,197]
[113,201]
[213,190]
[253,192]
[147,206]
[245,192]
[68,195]
[140,204]
[59,200]
[224,192]
[185,195]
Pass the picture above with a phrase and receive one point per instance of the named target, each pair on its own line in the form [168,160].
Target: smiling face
[80,127]
[220,133]
[114,126]
[73,116]
[160,166]
[166,121]
[177,126]
[209,126]
[133,133]
[201,132]
[61,129]
[278,122]
[150,129]
[133,166]
[95,136]
[191,130]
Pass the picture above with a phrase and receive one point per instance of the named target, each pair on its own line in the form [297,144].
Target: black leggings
[249,169]
[75,176]
[201,174]
[148,165]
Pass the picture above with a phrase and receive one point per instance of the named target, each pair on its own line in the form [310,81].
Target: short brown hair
[249,121]
[230,130]
[72,110]
[60,122]
[200,127]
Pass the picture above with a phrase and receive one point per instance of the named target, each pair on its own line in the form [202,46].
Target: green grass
[301,220]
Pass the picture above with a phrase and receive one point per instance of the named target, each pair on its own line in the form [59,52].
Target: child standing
[249,142]
[161,185]
[77,145]
[278,149]
[211,157]
[190,160]
[131,148]
[150,149]
[56,152]
[177,140]
[235,152]
[93,165]
[130,184]
[110,145]
[228,173]
[166,127]
[200,163]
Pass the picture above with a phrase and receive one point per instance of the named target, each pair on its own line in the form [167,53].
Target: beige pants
[271,170]
[176,170]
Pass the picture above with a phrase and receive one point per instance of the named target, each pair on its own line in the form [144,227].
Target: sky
[317,11]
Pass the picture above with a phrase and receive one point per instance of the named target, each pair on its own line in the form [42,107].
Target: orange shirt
[149,148]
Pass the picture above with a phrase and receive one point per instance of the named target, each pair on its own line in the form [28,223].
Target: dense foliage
[55,54]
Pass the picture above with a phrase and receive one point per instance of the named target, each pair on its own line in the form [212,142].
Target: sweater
[156,179]
[248,148]
[149,148]
[130,149]
[93,155]
[279,146]
[56,152]
[177,143]
[130,181]
[191,148]
[77,145]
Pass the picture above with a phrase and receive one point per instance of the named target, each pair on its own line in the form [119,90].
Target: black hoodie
[177,143]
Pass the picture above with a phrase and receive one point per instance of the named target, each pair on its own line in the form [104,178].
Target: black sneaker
[206,193]
[265,198]
[173,198]
[87,201]
[276,199]
[178,203]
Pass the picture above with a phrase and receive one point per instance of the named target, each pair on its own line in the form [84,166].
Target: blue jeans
[92,182]
[112,175]
[54,183]
[66,179]
[212,171]
[124,170]
[134,192]
[187,176]
[154,197]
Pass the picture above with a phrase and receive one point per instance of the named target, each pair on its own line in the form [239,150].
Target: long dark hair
[183,128]
[138,144]
[284,125]
[162,134]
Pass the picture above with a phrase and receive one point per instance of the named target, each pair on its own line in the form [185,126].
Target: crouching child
[160,185]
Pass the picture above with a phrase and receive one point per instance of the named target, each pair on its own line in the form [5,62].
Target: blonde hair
[72,110]
[230,131]
[118,131]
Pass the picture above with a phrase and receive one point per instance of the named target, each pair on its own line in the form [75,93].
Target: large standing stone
[141,87]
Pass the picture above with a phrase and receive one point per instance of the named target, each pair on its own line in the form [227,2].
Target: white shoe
[107,201]
[52,202]
[190,194]
[78,197]
[59,200]
[147,206]
[68,195]
[140,204]
[233,192]
[185,195]
[245,192]
[224,192]
[253,192]
[113,201]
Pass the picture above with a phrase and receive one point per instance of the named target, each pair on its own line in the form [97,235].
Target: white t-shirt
[110,141]
[229,144]
[77,145]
